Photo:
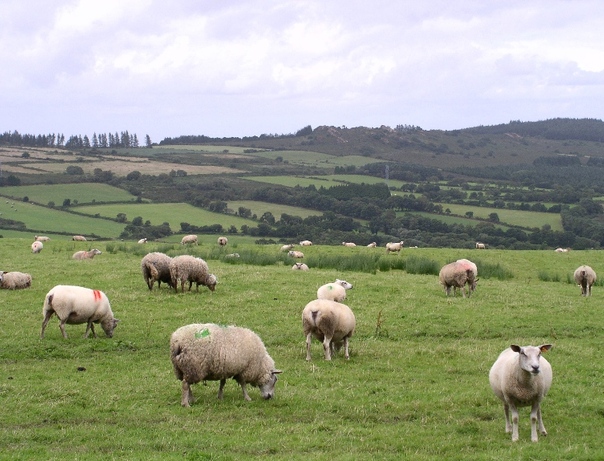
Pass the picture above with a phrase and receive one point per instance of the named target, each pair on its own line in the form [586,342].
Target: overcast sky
[251,67]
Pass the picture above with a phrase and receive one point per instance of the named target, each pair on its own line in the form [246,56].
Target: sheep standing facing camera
[37,247]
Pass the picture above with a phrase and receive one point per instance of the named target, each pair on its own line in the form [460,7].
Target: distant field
[316,159]
[325,181]
[259,208]
[82,193]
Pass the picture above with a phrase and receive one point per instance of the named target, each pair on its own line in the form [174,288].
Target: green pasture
[316,159]
[77,193]
[415,387]
[259,208]
[325,181]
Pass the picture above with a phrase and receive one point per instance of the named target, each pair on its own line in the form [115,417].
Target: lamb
[331,322]
[520,377]
[287,247]
[143,240]
[189,239]
[349,244]
[156,268]
[394,247]
[41,238]
[36,247]
[456,275]
[210,352]
[295,254]
[78,238]
[222,241]
[335,291]
[300,267]
[14,280]
[75,305]
[190,269]
[86,254]
[305,243]
[585,277]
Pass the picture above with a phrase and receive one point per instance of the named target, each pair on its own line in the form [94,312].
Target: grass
[415,387]
[78,193]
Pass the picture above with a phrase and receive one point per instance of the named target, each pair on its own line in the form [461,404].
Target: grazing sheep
[335,291]
[185,268]
[156,268]
[222,241]
[14,280]
[233,255]
[300,267]
[287,247]
[36,247]
[520,377]
[86,254]
[75,305]
[474,268]
[330,322]
[143,240]
[78,238]
[349,244]
[305,243]
[561,250]
[480,246]
[585,277]
[187,239]
[209,352]
[456,275]
[394,247]
[41,238]
[372,245]
[295,254]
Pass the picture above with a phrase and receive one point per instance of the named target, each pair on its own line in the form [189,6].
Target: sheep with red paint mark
[76,305]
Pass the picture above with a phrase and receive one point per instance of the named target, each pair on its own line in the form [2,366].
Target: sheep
[210,352]
[222,241]
[156,268]
[143,240]
[520,377]
[295,254]
[233,255]
[585,277]
[349,244]
[300,267]
[75,305]
[394,247]
[86,254]
[287,247]
[474,268]
[14,280]
[456,275]
[331,322]
[41,238]
[335,291]
[78,238]
[372,245]
[305,243]
[189,239]
[480,246]
[190,269]
[37,247]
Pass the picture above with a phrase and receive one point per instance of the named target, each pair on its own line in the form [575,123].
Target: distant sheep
[222,241]
[185,268]
[561,250]
[520,377]
[41,238]
[209,352]
[300,267]
[233,255]
[156,268]
[37,247]
[372,245]
[78,238]
[457,275]
[86,254]
[335,291]
[585,277]
[287,247]
[75,305]
[480,246]
[295,254]
[330,322]
[394,247]
[14,280]
[144,240]
[349,244]
[305,243]
[189,239]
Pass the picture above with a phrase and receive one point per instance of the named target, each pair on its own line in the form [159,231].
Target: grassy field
[325,181]
[78,193]
[259,208]
[416,385]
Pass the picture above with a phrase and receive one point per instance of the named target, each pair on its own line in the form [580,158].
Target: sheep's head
[529,356]
[268,389]
[211,282]
[344,284]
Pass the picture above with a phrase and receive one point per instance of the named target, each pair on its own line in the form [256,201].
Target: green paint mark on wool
[202,334]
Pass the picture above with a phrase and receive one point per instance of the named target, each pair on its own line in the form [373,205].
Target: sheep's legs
[62,327]
[514,411]
[308,341]
[90,327]
[346,348]
[244,390]
[47,317]
[536,419]
[187,396]
[327,347]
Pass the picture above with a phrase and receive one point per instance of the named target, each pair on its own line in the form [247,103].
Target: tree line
[101,140]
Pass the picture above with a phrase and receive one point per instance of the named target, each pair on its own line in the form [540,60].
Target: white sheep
[209,352]
[561,250]
[300,267]
[474,268]
[520,377]
[349,244]
[86,254]
[295,254]
[305,243]
[372,245]
[585,277]
[186,268]
[189,239]
[156,268]
[143,240]
[394,247]
[457,275]
[335,291]
[287,247]
[78,238]
[480,246]
[41,238]
[76,305]
[14,280]
[222,241]
[37,247]
[330,322]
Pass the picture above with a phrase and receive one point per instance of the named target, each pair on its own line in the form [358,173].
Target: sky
[235,68]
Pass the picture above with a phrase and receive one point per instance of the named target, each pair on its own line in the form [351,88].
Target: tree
[67,202]
[74,170]
[493,217]
[148,143]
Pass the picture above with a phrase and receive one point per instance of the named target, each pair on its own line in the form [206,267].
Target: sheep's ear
[276,372]
[545,347]
[515,348]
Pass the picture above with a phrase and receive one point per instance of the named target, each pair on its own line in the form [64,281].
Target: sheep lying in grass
[189,239]
[331,323]
[349,244]
[295,254]
[14,280]
[457,275]
[335,291]
[78,238]
[37,247]
[394,247]
[300,267]
[86,254]
[41,238]
[585,277]
[372,245]
[305,243]
[143,240]
[76,305]
[520,377]
[287,247]
[222,241]
[185,268]
[156,268]
[209,352]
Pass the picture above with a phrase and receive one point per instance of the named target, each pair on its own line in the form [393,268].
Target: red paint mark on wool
[97,295]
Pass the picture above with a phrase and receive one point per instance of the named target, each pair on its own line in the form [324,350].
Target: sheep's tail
[49,299]
[314,315]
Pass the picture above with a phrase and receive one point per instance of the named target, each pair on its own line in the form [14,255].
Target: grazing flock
[520,376]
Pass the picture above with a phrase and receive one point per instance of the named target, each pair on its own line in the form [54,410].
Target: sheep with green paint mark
[335,291]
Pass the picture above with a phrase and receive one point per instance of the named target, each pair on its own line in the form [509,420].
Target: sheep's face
[108,327]
[344,284]
[268,389]
[530,357]
[212,281]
